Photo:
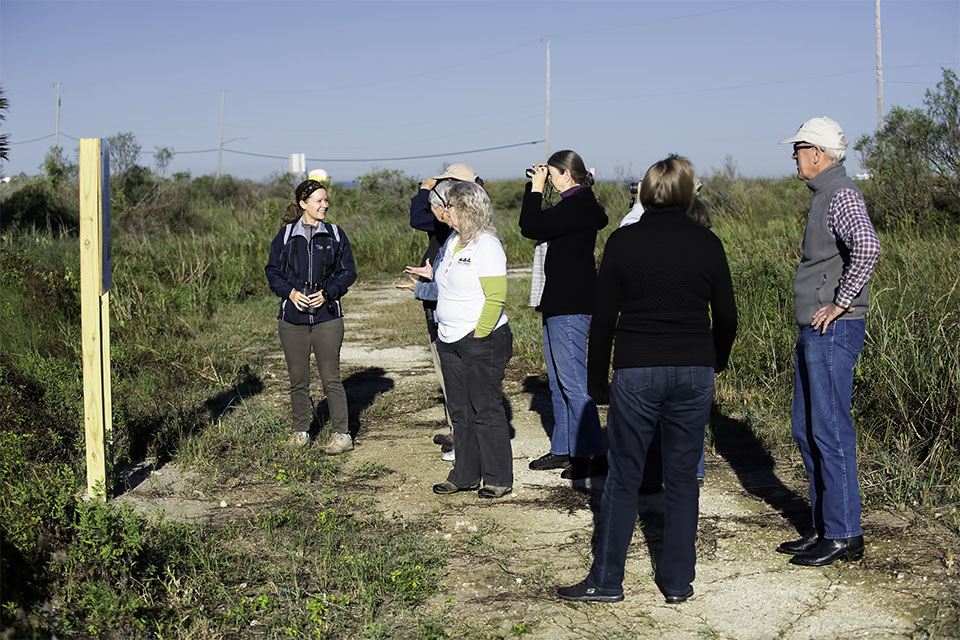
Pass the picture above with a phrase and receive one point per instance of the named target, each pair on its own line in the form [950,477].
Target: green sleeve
[495,292]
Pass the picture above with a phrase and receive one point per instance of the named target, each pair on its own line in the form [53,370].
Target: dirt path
[506,557]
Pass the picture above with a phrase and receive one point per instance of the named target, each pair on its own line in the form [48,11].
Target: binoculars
[529,172]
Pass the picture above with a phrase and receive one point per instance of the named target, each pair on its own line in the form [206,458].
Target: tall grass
[189,302]
[907,380]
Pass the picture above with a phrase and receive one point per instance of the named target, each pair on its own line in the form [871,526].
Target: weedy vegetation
[189,301]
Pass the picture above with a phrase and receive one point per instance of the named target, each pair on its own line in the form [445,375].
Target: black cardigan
[571,227]
[658,279]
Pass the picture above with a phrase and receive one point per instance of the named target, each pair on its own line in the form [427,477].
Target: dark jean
[473,372]
[823,427]
[679,400]
[324,340]
[576,424]
[653,471]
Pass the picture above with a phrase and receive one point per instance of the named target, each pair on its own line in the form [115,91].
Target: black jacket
[422,219]
[662,281]
[571,226]
[324,259]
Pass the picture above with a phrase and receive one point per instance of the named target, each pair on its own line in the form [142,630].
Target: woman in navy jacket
[567,234]
[310,268]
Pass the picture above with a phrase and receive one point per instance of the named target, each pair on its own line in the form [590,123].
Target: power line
[278,157]
[749,85]
[430,155]
[669,19]
[33,139]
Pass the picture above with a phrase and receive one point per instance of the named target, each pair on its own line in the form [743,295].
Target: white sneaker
[299,439]
[339,443]
[448,456]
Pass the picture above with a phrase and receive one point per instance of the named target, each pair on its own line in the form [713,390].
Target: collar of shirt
[572,190]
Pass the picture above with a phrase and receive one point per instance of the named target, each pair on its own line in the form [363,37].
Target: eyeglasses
[799,147]
[443,202]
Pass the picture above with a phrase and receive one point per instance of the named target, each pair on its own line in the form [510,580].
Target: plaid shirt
[849,221]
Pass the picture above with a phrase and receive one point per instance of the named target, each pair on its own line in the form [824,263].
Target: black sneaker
[550,461]
[583,592]
[582,468]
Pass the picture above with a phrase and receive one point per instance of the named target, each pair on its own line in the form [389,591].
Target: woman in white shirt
[475,344]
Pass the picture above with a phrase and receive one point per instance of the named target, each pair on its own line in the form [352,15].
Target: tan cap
[822,132]
[460,172]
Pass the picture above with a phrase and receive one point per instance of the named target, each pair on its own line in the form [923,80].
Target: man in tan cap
[840,248]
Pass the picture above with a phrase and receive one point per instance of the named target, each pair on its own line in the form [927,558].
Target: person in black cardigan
[566,234]
[660,281]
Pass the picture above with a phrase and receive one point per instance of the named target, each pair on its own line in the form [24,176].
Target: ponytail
[291,213]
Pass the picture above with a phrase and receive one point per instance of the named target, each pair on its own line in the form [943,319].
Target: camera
[634,189]
[309,288]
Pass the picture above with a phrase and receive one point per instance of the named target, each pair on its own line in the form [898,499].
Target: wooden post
[95,279]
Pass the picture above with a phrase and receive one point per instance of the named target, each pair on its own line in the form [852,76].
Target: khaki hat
[822,132]
[460,172]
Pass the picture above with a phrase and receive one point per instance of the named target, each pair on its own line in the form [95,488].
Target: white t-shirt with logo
[460,296]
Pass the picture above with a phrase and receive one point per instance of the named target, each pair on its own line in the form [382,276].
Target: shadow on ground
[362,388]
[539,391]
[754,466]
[166,432]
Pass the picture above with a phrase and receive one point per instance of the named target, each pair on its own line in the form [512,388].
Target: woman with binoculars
[563,289]
[309,268]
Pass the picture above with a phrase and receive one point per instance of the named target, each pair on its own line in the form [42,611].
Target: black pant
[473,372]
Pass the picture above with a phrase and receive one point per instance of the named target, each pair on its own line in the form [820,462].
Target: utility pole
[58,114]
[879,75]
[548,99]
[220,154]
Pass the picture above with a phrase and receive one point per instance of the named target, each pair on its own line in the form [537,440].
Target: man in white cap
[840,248]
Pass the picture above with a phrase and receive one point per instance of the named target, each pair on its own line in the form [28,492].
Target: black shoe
[581,468]
[447,487]
[807,542]
[550,461]
[677,598]
[828,550]
[583,592]
[490,491]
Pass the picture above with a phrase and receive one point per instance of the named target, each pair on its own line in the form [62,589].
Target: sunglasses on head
[443,202]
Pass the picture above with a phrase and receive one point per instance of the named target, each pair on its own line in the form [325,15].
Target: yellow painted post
[95,312]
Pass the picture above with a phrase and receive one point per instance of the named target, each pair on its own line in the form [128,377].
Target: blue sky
[631,81]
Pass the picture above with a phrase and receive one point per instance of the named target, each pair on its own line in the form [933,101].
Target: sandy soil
[506,557]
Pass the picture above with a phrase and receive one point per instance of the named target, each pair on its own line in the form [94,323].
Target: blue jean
[679,400]
[576,424]
[653,471]
[823,427]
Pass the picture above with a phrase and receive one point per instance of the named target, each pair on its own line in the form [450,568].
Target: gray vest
[824,256]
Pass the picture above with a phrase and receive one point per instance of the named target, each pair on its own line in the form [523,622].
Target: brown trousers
[324,340]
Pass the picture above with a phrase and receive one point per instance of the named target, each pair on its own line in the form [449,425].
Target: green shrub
[915,161]
[37,205]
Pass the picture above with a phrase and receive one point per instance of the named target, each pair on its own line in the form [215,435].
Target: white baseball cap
[822,132]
